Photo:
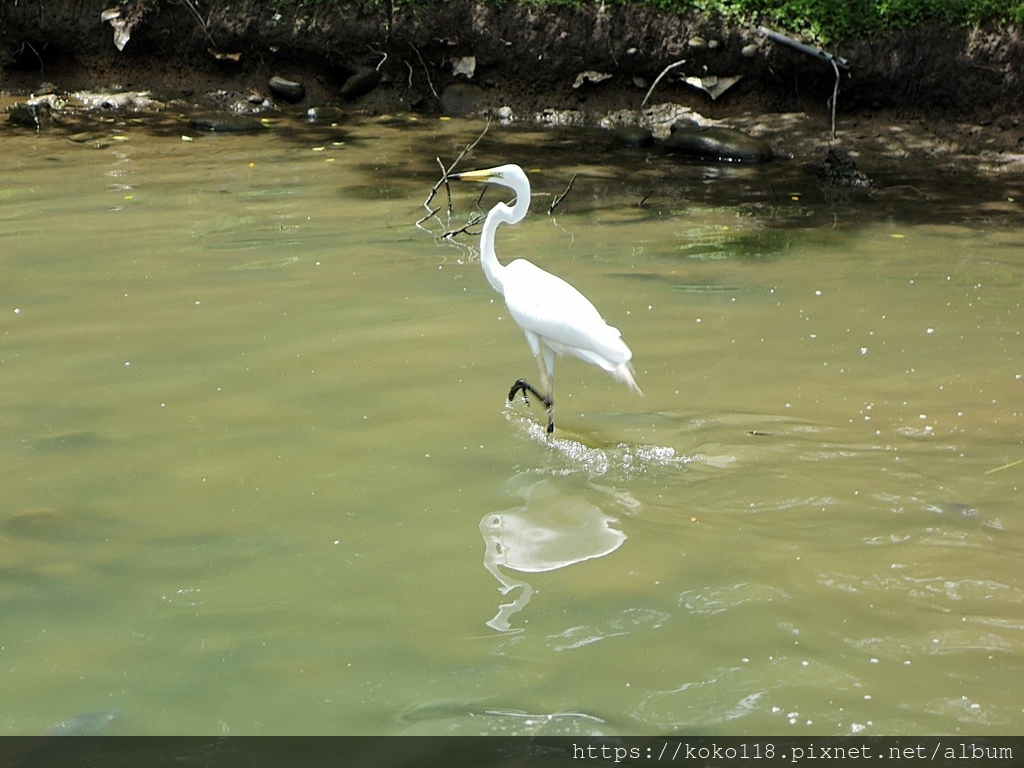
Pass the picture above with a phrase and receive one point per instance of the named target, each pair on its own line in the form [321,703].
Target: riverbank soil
[951,94]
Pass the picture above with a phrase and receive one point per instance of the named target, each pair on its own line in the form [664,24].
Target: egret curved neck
[499,214]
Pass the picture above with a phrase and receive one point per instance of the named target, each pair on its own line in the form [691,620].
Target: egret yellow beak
[485,175]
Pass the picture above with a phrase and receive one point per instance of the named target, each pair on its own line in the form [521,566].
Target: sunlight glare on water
[261,475]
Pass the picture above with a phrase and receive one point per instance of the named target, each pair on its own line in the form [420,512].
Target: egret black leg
[522,385]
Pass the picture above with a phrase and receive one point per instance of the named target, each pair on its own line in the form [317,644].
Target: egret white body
[557,318]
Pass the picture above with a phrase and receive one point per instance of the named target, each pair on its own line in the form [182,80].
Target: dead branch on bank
[657,80]
[425,71]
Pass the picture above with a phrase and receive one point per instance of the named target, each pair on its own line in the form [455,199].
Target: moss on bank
[832,20]
[825,21]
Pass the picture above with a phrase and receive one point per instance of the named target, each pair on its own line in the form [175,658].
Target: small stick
[644,199]
[429,214]
[425,70]
[835,97]
[453,232]
[559,198]
[1005,466]
[445,173]
[447,186]
[657,80]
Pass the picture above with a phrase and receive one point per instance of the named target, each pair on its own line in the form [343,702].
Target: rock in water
[225,123]
[35,116]
[360,84]
[725,145]
[839,170]
[461,99]
[631,136]
[289,90]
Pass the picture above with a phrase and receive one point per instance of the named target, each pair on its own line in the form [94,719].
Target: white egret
[556,318]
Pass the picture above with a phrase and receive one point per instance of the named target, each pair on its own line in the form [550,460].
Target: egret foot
[522,385]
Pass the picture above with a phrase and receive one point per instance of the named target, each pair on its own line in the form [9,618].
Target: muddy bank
[525,56]
[949,98]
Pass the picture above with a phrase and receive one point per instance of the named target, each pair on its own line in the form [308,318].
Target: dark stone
[725,145]
[325,114]
[219,122]
[34,116]
[360,84]
[289,90]
[461,99]
[631,136]
[839,170]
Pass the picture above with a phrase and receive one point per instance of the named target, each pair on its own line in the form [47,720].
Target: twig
[446,172]
[1005,466]
[644,199]
[425,70]
[559,198]
[453,232]
[28,45]
[203,23]
[835,97]
[657,80]
[447,186]
[429,214]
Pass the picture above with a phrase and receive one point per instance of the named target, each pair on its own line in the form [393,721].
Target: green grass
[828,21]
[822,21]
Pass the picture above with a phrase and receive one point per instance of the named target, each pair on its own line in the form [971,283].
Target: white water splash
[623,458]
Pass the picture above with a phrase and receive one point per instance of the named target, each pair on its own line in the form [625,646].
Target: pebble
[360,84]
[289,90]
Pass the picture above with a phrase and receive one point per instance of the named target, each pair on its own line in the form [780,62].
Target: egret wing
[553,309]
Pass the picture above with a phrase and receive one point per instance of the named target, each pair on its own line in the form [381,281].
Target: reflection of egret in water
[553,528]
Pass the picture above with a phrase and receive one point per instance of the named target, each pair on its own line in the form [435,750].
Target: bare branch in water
[446,172]
[464,228]
[559,198]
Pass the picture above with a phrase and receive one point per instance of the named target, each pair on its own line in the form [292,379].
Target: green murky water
[259,475]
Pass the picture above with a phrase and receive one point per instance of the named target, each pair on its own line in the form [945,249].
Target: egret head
[511,176]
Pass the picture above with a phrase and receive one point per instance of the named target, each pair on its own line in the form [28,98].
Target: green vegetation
[821,21]
[830,20]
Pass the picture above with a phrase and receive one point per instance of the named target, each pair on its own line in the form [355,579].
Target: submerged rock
[631,136]
[716,143]
[34,522]
[225,123]
[34,116]
[461,99]
[839,170]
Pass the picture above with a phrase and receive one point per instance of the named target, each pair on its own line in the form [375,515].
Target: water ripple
[623,458]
